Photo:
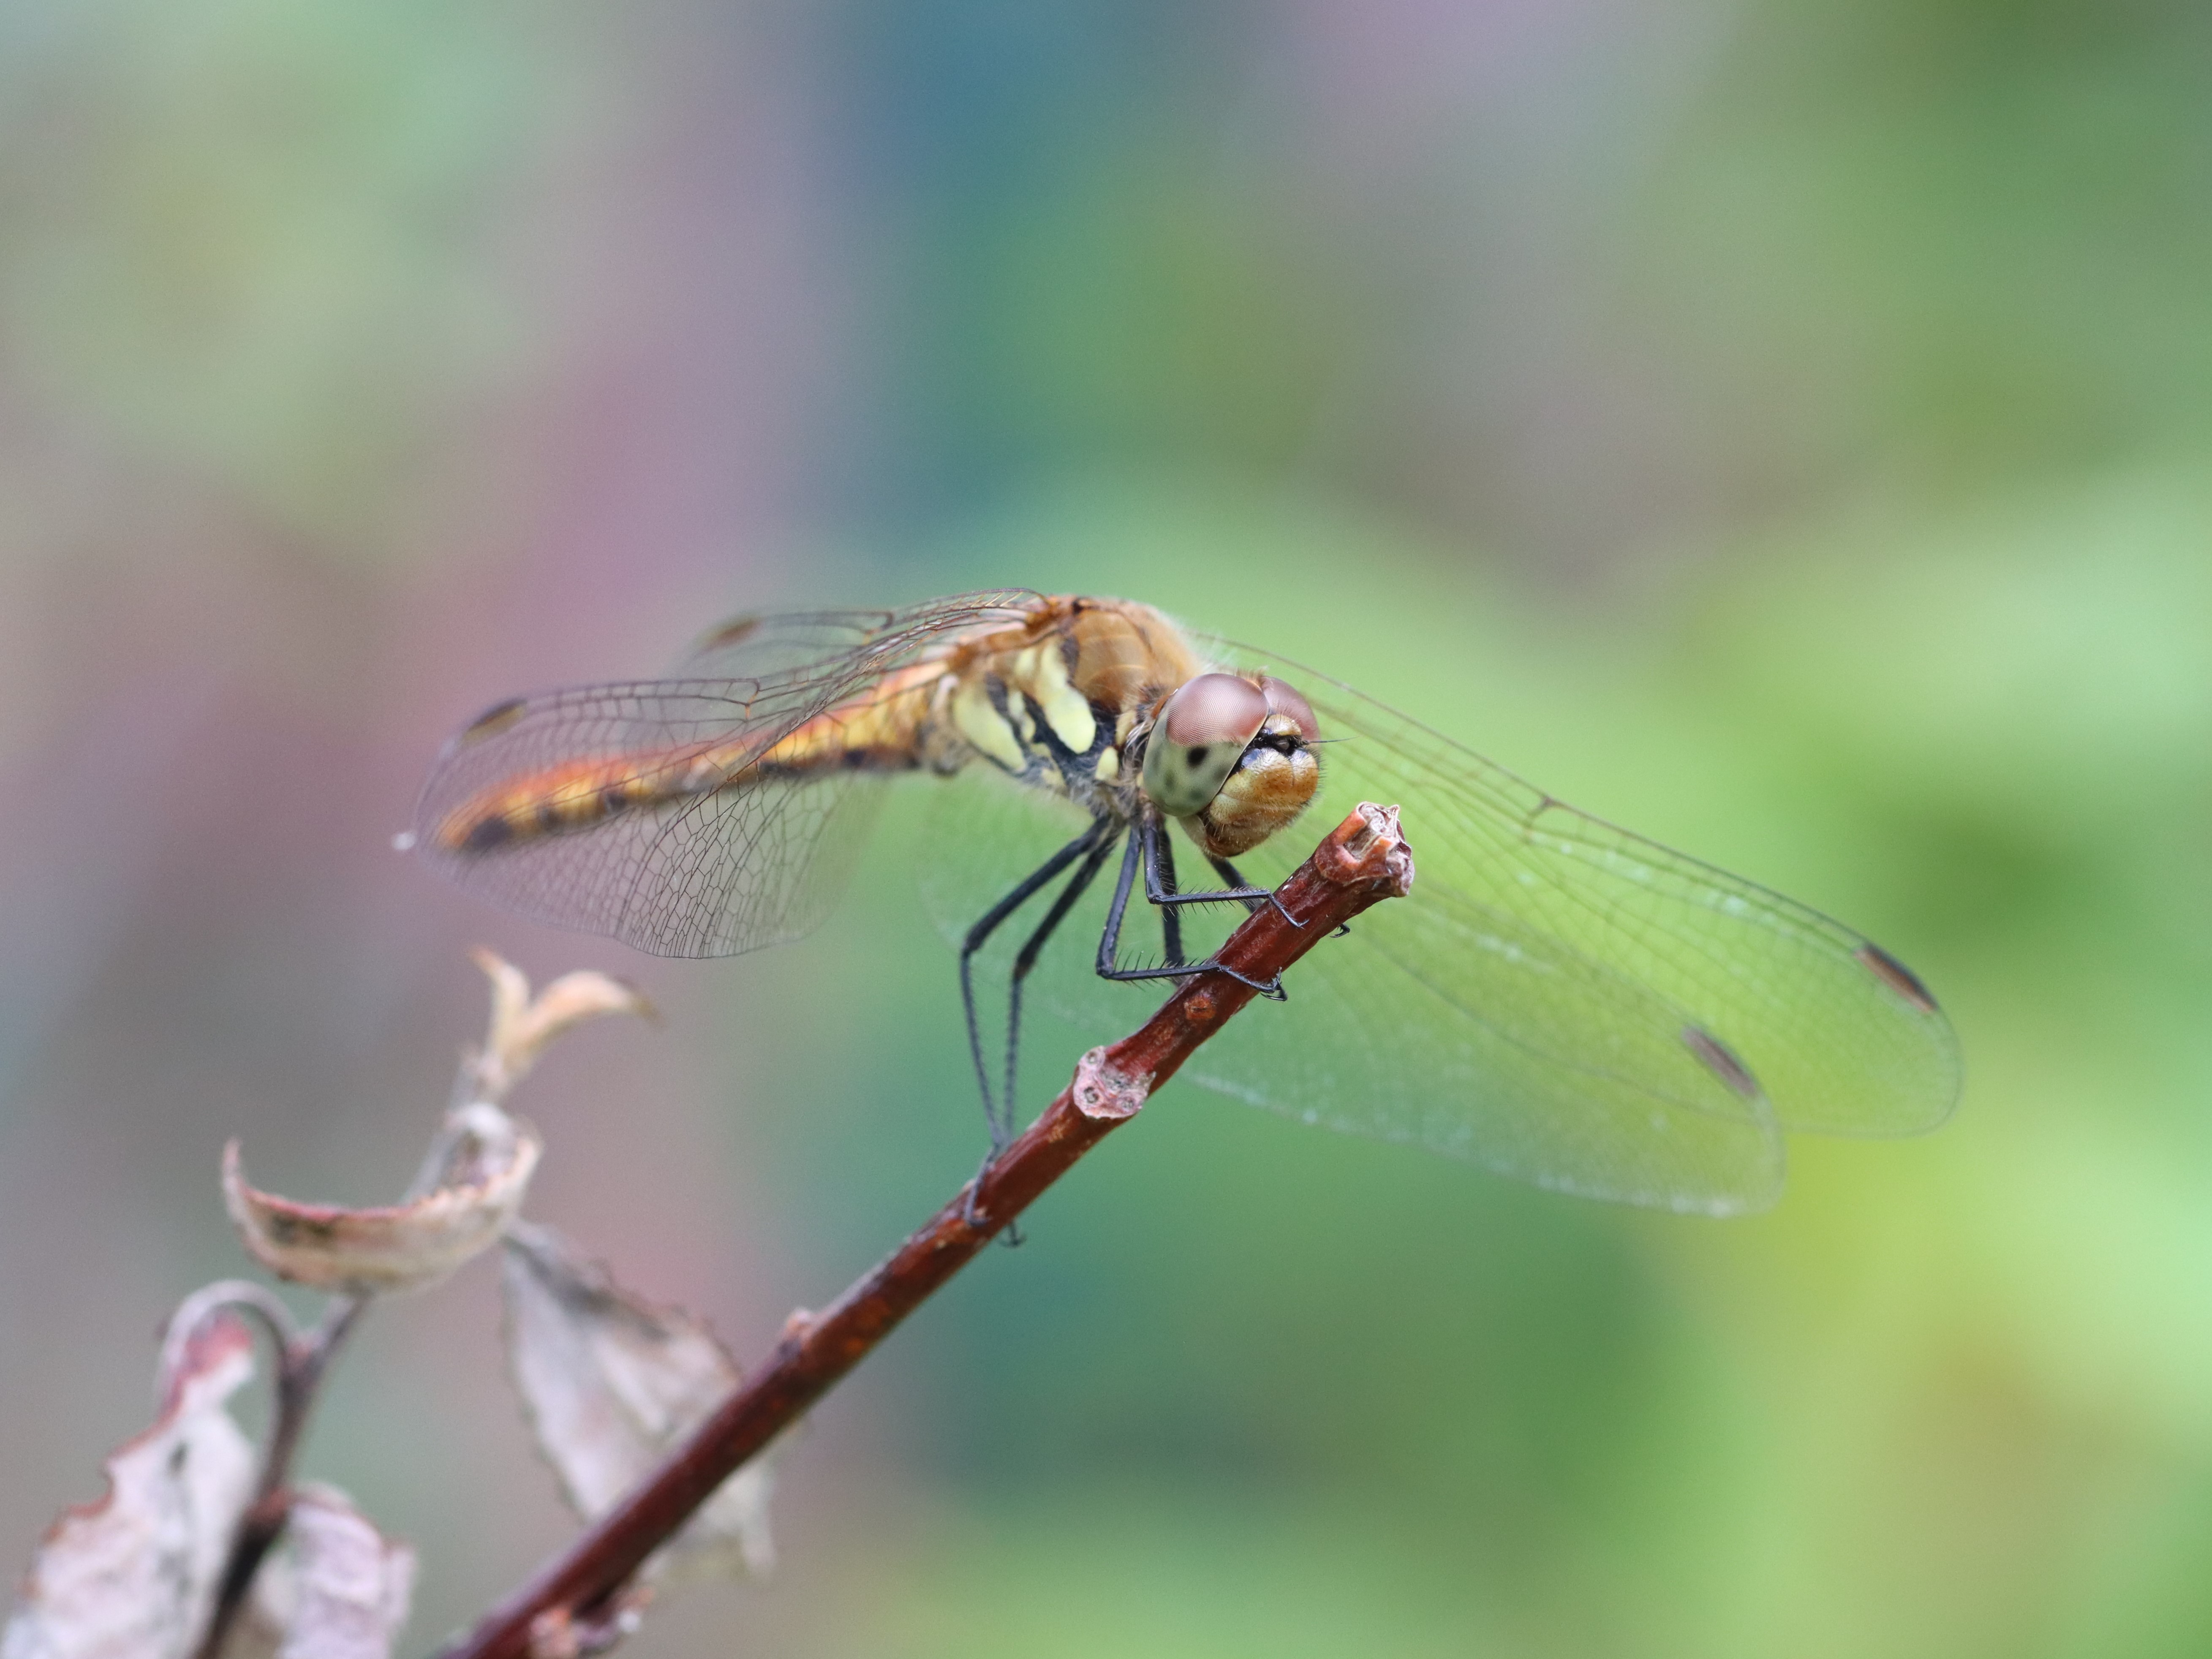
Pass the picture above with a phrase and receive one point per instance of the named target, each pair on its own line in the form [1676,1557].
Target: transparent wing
[805,646]
[1558,1000]
[1371,1043]
[754,863]
[1537,928]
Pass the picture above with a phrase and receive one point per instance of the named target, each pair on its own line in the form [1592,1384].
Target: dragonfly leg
[1011,1237]
[1109,942]
[1160,877]
[1161,850]
[1077,885]
[1160,880]
[1228,874]
[1160,889]
[1144,839]
[1098,834]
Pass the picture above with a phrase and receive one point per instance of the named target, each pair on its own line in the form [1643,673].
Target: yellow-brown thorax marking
[1050,700]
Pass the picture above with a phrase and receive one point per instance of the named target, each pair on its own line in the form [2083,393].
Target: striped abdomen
[876,732]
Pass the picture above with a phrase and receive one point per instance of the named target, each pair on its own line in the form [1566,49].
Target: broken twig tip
[1369,847]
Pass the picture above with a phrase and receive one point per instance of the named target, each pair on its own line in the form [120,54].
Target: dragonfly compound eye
[1290,703]
[1201,733]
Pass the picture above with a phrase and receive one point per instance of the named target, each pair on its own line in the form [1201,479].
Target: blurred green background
[1780,427]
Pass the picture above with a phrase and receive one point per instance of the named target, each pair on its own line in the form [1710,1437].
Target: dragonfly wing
[1375,1040]
[1839,1035]
[740,870]
[713,873]
[805,645]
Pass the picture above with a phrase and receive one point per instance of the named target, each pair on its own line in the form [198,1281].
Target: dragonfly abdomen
[576,796]
[877,734]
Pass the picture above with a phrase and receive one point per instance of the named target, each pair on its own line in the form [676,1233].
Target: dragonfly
[1558,1000]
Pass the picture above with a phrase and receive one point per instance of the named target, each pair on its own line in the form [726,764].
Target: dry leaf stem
[1363,861]
[303,1358]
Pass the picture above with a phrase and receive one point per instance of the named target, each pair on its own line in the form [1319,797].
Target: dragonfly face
[1557,998]
[1231,756]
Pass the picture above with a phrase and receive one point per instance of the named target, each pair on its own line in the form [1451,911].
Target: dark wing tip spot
[1721,1061]
[1896,975]
[736,631]
[493,721]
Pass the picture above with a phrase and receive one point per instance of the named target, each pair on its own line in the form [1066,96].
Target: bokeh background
[1778,425]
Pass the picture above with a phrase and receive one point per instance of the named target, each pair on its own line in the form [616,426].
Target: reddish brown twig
[1362,860]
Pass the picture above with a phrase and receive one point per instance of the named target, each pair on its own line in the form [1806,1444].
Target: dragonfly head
[1231,755]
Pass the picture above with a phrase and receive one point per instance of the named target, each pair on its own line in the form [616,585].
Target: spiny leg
[1160,889]
[1144,839]
[1160,877]
[1109,941]
[1245,890]
[1097,836]
[1025,959]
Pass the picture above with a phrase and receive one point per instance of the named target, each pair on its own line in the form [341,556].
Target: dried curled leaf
[480,1181]
[609,1384]
[133,1576]
[348,1585]
[522,1026]
[334,1588]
